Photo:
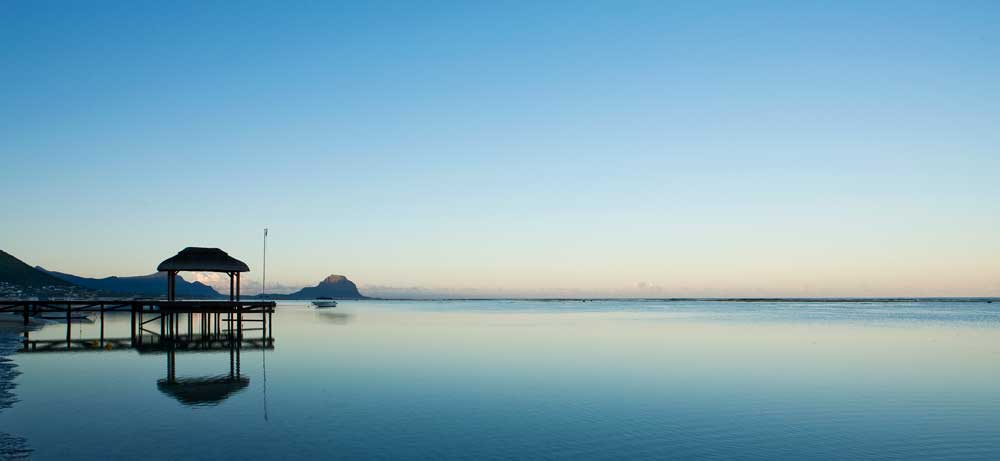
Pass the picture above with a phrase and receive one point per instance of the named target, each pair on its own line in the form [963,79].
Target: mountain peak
[334,286]
[333,279]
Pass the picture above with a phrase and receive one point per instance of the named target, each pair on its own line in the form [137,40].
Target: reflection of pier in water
[166,327]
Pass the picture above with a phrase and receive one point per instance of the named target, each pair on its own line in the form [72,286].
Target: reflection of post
[102,325]
[238,344]
[171,365]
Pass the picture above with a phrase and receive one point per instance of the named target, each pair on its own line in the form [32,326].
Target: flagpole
[263,285]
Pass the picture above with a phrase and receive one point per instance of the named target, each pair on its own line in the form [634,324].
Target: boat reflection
[338,318]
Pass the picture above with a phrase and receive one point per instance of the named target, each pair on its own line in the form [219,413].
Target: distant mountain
[152,285]
[334,286]
[16,272]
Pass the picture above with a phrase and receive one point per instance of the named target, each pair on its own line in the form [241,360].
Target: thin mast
[263,285]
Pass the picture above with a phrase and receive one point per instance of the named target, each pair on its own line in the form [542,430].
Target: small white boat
[325,303]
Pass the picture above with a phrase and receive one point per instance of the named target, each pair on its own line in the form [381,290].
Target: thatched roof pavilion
[197,259]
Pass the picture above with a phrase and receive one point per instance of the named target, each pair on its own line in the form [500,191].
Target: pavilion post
[237,286]
[231,292]
[171,285]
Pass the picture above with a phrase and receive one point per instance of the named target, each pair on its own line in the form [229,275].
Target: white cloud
[220,282]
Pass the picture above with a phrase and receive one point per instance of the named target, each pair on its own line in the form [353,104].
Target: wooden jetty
[167,326]
[188,324]
[215,317]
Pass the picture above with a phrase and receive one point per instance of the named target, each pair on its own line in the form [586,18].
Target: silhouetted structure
[204,332]
[210,326]
[197,259]
[210,390]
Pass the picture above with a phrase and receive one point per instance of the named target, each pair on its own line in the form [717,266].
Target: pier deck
[32,307]
[182,325]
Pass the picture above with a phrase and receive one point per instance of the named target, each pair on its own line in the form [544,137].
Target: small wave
[11,447]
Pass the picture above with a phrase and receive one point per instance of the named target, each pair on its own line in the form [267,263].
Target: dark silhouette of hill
[152,285]
[16,272]
[334,286]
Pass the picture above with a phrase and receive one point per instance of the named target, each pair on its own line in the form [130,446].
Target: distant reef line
[986,299]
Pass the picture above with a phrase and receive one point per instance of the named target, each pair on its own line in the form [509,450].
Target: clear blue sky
[535,148]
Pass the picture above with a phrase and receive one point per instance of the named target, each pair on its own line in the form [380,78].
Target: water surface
[532,379]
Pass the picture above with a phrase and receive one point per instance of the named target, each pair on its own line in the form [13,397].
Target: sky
[652,149]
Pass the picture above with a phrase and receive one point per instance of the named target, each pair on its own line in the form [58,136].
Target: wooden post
[231,291]
[102,324]
[69,323]
[132,337]
[237,286]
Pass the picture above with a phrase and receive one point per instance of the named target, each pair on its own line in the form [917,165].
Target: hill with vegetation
[16,272]
[152,285]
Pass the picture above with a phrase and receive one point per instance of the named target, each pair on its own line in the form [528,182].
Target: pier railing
[155,324]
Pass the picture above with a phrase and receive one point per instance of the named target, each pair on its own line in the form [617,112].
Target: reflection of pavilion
[199,390]
[204,390]
[183,327]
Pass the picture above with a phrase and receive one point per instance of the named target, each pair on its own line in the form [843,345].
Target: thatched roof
[203,260]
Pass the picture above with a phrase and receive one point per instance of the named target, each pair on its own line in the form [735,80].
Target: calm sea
[530,379]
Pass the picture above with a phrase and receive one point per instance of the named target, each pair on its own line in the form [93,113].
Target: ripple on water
[11,447]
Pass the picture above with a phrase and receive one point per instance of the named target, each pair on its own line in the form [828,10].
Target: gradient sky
[512,148]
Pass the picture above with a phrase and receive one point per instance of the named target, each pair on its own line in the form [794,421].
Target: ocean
[503,379]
